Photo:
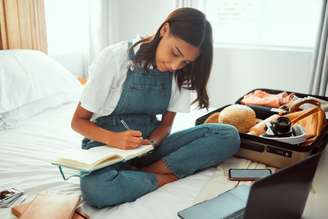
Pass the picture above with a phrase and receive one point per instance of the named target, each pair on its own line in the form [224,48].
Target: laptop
[280,195]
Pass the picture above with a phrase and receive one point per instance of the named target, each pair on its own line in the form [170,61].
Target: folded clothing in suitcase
[268,151]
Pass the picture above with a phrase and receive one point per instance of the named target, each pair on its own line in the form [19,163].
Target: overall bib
[144,95]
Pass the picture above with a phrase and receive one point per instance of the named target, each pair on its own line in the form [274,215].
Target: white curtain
[102,27]
[319,78]
[184,3]
[79,29]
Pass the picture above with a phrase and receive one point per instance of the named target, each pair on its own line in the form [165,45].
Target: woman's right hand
[129,139]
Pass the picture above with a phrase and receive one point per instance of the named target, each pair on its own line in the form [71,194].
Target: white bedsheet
[25,155]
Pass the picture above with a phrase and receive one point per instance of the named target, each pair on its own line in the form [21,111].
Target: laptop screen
[283,194]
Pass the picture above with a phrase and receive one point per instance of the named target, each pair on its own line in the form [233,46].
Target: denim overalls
[144,95]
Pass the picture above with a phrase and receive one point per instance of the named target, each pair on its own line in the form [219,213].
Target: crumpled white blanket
[219,182]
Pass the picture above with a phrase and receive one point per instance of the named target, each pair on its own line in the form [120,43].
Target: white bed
[37,101]
[35,132]
[25,157]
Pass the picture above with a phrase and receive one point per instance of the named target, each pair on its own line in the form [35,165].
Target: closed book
[20,209]
[50,206]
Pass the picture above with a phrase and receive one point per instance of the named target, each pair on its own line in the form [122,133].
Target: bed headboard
[22,25]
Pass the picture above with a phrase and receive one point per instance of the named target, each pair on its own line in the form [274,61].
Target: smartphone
[248,174]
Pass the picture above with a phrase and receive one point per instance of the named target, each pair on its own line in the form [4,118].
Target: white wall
[238,70]
[73,61]
[141,17]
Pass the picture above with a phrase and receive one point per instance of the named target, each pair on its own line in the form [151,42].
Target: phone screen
[248,174]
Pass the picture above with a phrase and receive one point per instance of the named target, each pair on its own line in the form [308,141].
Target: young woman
[136,82]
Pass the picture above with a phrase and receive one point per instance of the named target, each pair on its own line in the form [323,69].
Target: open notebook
[97,157]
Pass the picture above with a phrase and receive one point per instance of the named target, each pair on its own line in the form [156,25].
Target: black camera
[280,128]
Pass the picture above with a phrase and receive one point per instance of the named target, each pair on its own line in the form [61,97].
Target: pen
[124,124]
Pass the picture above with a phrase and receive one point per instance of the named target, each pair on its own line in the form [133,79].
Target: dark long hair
[190,25]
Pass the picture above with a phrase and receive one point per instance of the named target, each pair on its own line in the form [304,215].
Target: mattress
[25,158]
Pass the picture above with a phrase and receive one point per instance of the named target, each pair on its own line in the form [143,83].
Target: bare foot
[157,167]
[163,179]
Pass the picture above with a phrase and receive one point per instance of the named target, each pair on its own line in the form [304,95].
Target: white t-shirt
[107,74]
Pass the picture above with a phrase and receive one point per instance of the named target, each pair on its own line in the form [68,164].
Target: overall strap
[131,51]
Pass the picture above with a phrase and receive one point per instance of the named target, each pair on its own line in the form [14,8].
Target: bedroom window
[67,26]
[269,23]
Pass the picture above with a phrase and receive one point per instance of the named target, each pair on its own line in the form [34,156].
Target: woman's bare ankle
[157,167]
[163,179]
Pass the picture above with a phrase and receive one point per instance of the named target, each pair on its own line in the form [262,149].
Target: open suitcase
[271,152]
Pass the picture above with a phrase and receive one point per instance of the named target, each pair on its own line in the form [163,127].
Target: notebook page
[86,156]
[125,154]
[98,153]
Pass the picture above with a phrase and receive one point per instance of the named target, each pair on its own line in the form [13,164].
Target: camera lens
[283,124]
[282,127]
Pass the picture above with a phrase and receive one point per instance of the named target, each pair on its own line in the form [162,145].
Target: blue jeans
[184,152]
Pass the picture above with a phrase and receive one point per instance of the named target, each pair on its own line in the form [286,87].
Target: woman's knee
[224,135]
[110,187]
[97,190]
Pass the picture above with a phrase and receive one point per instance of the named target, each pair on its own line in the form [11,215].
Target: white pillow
[13,118]
[29,75]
